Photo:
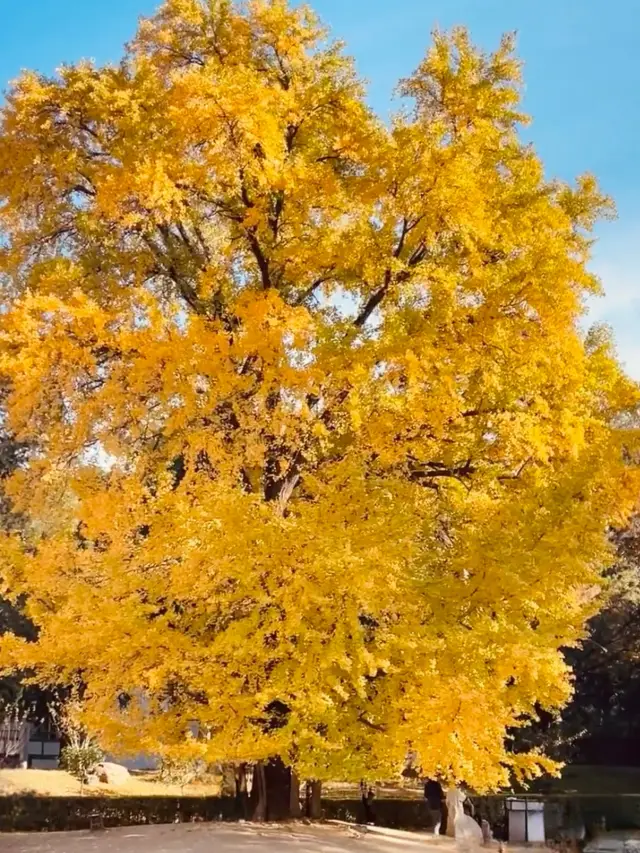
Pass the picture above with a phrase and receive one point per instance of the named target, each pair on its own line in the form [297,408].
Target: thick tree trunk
[258,803]
[275,792]
[294,796]
[314,800]
[278,787]
[235,785]
[242,791]
[448,815]
[228,784]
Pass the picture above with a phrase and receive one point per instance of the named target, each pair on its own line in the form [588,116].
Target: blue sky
[582,88]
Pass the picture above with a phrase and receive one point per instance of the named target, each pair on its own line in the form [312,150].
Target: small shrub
[81,753]
[180,771]
[80,758]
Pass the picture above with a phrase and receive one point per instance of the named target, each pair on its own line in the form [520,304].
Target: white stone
[136,762]
[111,773]
[464,827]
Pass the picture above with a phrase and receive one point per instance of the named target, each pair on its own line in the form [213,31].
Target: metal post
[526,820]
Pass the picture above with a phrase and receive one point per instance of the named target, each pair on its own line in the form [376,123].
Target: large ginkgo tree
[320,456]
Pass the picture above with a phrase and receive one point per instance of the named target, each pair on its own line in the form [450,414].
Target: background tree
[324,460]
[606,667]
[600,724]
[20,704]
[14,695]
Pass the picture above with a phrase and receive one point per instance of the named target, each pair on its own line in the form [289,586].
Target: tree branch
[302,298]
[373,726]
[261,259]
[435,470]
[418,255]
[373,301]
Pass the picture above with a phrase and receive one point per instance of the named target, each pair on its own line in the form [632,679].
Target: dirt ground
[58,783]
[223,838]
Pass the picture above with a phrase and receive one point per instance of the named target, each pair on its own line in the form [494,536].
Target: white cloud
[617,263]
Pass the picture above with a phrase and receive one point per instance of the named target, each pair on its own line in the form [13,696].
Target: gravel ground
[221,838]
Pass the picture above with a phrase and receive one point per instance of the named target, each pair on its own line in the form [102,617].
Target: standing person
[434,795]
[368,796]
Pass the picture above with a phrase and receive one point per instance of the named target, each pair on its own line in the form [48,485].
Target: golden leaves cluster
[321,457]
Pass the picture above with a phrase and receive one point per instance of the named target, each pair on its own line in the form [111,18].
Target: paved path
[226,838]
[615,842]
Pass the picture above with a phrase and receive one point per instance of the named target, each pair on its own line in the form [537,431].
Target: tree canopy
[320,457]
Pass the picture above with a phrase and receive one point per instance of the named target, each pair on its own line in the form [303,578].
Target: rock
[92,779]
[112,774]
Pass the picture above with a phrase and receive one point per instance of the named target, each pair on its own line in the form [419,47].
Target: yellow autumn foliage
[321,458]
